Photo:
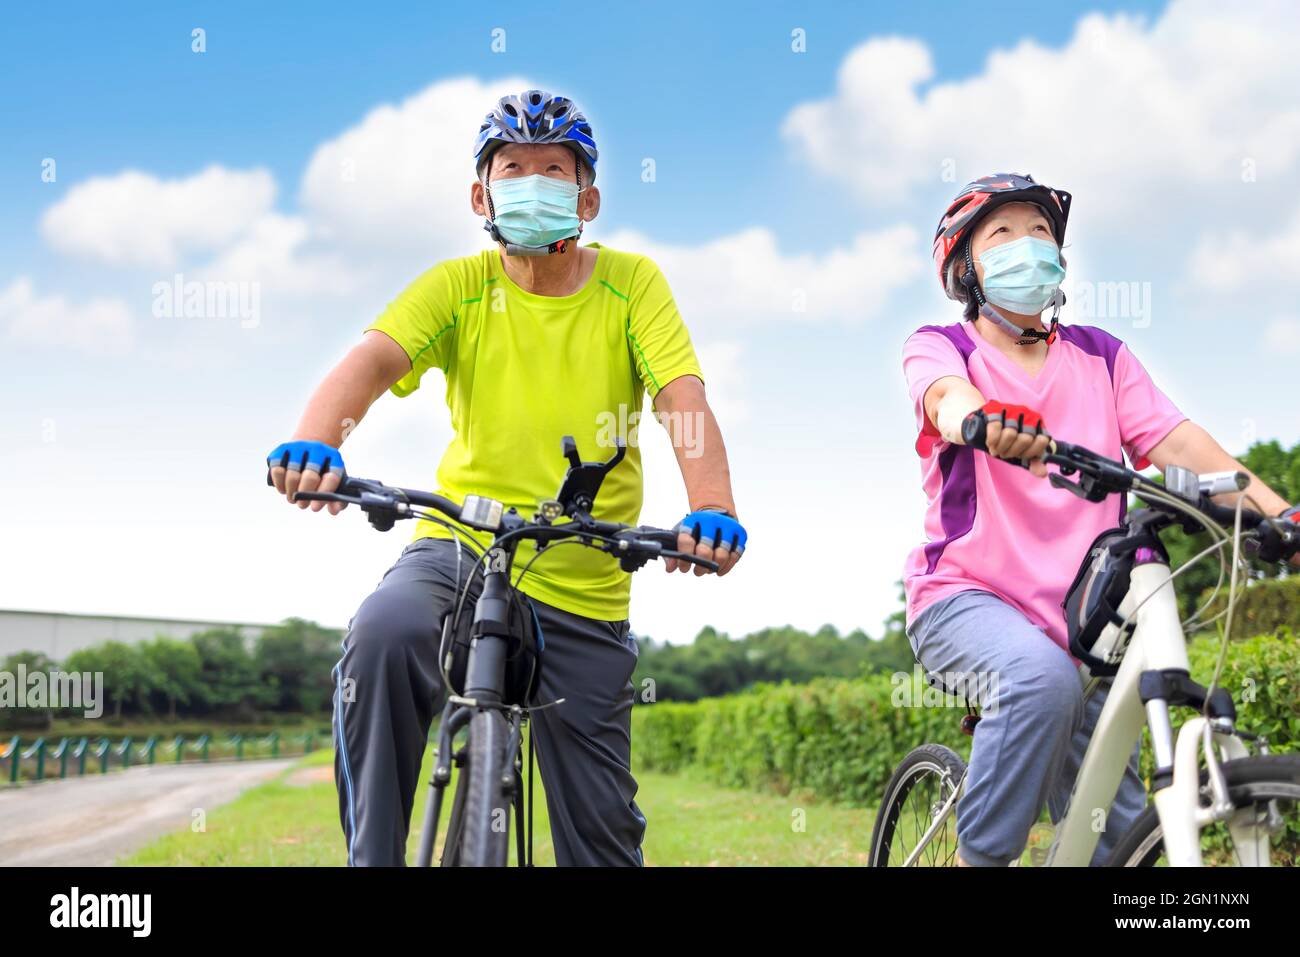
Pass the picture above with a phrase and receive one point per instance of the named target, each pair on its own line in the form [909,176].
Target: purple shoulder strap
[1095,342]
[957,336]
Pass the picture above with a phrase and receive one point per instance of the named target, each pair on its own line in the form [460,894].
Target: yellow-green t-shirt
[522,372]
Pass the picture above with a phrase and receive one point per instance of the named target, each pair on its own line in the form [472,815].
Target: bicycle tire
[935,761]
[488,801]
[1262,777]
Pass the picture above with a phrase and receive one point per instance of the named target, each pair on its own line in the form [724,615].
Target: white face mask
[1022,276]
[535,210]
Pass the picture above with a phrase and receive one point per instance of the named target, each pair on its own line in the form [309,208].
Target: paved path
[95,820]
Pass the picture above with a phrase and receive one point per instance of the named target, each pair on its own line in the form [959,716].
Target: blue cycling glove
[715,530]
[308,457]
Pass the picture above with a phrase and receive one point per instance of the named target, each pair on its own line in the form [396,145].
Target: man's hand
[711,535]
[307,467]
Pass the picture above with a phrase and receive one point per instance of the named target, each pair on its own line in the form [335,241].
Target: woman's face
[1006,224]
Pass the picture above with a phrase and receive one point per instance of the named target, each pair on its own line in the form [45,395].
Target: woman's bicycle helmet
[953,237]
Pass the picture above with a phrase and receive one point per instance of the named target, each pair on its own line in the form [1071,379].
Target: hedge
[840,740]
[837,738]
[1266,606]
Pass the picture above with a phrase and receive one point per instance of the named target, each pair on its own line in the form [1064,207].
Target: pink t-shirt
[991,525]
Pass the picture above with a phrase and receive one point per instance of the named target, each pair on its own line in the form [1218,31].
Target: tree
[176,670]
[128,676]
[227,672]
[32,662]
[296,659]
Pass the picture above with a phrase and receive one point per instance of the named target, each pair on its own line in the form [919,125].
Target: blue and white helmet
[535,116]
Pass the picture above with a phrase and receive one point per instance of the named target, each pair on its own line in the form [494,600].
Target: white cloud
[393,188]
[100,325]
[1124,108]
[137,219]
[744,277]
[401,176]
[722,363]
[1223,261]
[279,252]
[1283,335]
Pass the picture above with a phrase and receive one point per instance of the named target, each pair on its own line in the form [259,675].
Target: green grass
[288,823]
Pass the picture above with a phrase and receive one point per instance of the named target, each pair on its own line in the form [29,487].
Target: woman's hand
[1016,432]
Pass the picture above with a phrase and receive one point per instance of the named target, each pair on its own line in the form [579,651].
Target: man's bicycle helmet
[536,116]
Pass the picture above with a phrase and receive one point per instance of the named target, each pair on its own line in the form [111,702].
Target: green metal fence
[75,757]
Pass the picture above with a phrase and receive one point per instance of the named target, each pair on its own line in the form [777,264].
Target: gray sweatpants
[394,690]
[1031,738]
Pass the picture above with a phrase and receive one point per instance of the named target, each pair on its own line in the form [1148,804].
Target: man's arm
[683,409]
[338,404]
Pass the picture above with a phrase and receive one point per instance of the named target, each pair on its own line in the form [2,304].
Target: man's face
[528,159]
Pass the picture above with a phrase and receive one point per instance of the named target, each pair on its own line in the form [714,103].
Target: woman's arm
[1193,448]
[950,399]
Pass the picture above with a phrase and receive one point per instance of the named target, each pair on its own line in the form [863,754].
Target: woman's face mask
[535,210]
[1022,276]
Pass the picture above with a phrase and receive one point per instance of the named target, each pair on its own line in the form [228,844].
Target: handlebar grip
[975,430]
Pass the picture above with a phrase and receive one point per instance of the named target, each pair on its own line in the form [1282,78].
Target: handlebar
[634,546]
[1275,539]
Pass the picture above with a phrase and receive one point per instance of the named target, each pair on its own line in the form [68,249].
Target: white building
[57,634]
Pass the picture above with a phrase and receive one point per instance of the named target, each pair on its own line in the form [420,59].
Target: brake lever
[1074,488]
[326,497]
[1273,541]
[691,559]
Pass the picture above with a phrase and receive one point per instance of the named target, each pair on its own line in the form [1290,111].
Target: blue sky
[820,172]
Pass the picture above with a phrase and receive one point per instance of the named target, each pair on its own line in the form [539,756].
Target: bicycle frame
[1158,644]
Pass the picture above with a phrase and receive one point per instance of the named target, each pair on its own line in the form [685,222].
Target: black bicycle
[492,710]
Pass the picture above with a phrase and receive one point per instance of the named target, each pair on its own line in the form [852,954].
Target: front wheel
[489,798]
[1263,789]
[919,800]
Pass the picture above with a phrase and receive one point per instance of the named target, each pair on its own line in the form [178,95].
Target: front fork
[484,685]
[1177,779]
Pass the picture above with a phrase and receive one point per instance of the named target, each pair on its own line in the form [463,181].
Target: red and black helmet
[979,198]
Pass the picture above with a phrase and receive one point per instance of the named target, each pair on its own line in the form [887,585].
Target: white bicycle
[1214,800]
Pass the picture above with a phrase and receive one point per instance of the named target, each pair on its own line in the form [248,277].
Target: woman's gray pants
[1032,734]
